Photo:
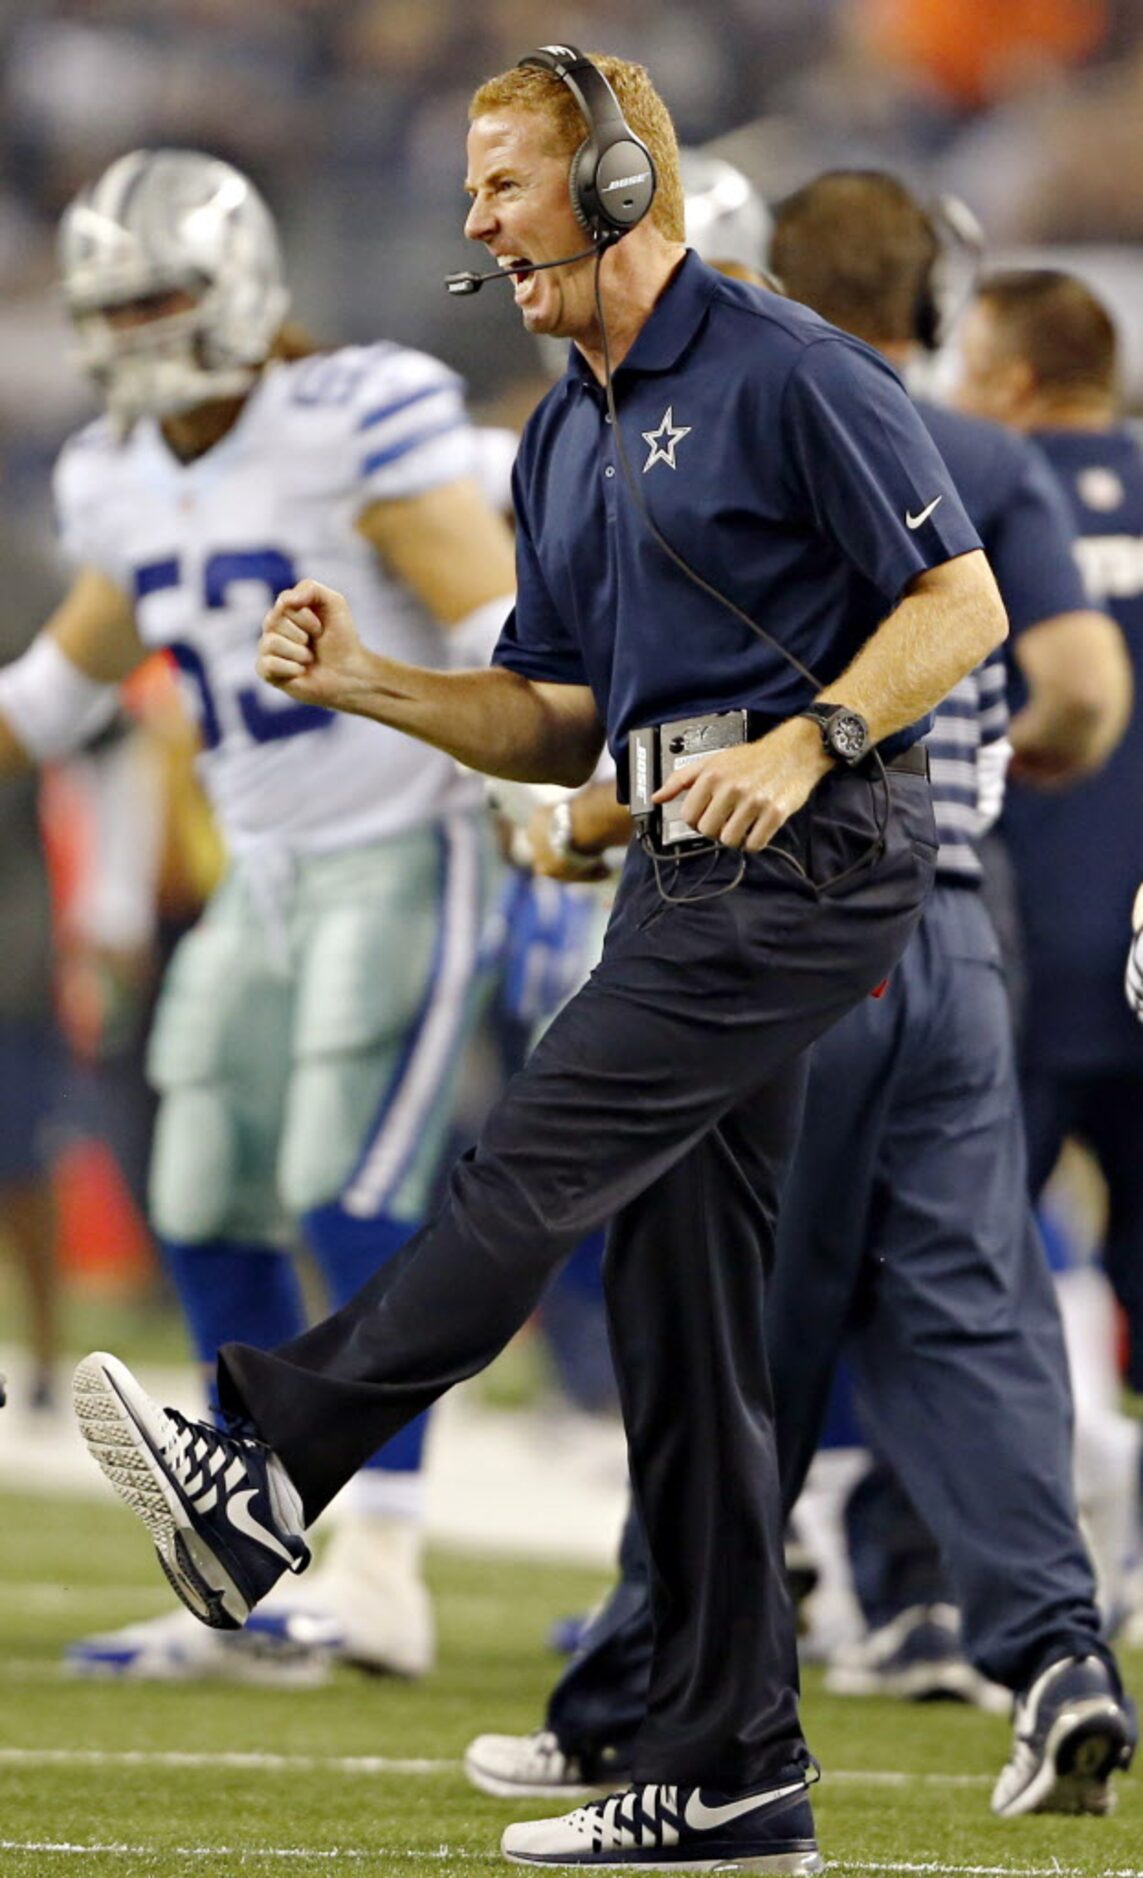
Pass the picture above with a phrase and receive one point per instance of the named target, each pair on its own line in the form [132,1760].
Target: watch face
[849,736]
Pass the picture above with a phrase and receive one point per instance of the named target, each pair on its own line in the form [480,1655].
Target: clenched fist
[310,649]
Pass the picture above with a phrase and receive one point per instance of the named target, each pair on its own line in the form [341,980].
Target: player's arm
[493,720]
[567,840]
[63,690]
[1080,693]
[452,549]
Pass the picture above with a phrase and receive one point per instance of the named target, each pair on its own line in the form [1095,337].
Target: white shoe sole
[112,1411]
[778,1864]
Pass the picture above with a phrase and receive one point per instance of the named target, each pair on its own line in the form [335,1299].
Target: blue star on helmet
[664,441]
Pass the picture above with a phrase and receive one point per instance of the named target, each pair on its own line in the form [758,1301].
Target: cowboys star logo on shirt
[663,442]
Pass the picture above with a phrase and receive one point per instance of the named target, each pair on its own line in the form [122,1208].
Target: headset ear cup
[580,180]
[927,317]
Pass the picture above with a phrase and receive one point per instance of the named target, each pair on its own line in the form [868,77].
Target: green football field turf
[363,1776]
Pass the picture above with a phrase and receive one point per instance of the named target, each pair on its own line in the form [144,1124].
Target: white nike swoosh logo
[914,521]
[701,1817]
[239,1514]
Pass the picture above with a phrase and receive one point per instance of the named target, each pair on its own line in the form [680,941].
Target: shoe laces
[187,1445]
[640,1816]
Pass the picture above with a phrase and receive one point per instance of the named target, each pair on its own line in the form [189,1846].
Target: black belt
[914,761]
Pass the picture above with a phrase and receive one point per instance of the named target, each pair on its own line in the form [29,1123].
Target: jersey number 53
[265,713]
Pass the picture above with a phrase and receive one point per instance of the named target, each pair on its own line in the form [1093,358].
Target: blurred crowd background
[351,114]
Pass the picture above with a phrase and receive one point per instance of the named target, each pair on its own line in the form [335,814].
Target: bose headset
[612,176]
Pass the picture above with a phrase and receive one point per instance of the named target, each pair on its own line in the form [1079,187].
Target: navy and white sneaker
[1072,1731]
[653,1828]
[223,1514]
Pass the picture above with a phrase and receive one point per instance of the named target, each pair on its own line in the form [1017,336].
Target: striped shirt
[966,796]
[1020,513]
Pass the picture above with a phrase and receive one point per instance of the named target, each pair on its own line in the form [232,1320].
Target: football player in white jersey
[310,1024]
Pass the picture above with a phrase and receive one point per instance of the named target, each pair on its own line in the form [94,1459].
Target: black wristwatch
[845,733]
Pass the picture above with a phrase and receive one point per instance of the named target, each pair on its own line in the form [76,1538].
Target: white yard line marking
[930,1866]
[457,1854]
[410,1765]
[247,1854]
[261,1763]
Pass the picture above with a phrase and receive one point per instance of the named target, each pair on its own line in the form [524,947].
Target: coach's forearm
[951,618]
[491,720]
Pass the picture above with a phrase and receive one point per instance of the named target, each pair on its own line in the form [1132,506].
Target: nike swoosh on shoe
[703,1818]
[237,1510]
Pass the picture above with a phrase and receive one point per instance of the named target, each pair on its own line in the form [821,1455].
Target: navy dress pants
[905,1226]
[664,1099]
[1103,1107]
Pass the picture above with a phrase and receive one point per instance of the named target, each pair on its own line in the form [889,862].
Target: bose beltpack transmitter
[653,756]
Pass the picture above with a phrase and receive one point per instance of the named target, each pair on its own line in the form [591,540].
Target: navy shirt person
[664,1098]
[1039,352]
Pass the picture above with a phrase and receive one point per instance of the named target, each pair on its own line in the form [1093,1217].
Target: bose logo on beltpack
[624,182]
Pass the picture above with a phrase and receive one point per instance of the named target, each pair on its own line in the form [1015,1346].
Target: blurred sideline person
[1038,351]
[904,1217]
[133,853]
[310,1024]
[664,1098]
[1071,702]
[32,1051]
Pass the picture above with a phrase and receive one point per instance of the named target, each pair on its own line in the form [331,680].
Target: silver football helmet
[171,221]
[726,218]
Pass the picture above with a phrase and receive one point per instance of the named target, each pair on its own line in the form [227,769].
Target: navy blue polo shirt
[1019,511]
[1077,853]
[782,459]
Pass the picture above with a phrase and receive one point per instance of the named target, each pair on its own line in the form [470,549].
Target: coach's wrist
[801,737]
